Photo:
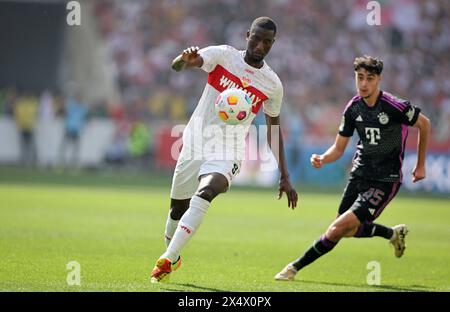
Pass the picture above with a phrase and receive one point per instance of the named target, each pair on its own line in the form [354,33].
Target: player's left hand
[285,186]
[418,173]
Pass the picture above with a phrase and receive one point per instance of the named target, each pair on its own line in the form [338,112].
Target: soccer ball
[233,106]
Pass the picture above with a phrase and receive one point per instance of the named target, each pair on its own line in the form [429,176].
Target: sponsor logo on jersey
[359,118]
[373,134]
[383,118]
[372,211]
[410,113]
[221,79]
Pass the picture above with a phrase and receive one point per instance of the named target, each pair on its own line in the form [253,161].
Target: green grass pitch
[116,233]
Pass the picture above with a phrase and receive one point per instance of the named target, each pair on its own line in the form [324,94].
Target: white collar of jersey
[253,68]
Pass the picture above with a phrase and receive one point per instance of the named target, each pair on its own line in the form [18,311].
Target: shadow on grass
[413,288]
[194,287]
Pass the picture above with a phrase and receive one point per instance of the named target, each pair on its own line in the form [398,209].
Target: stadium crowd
[317,42]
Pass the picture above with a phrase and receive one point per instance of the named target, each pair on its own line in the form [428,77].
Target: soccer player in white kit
[198,180]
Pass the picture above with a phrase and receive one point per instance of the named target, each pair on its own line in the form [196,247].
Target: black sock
[319,248]
[374,229]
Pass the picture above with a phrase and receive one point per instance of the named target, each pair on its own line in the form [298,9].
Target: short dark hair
[371,64]
[266,23]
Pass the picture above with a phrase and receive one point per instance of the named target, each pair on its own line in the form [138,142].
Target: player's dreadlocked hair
[369,63]
[266,23]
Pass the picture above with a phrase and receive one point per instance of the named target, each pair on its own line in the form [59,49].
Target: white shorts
[185,178]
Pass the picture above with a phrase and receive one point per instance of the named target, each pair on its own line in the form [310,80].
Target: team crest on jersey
[245,82]
[383,118]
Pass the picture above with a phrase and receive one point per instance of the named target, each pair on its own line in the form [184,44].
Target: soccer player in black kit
[381,121]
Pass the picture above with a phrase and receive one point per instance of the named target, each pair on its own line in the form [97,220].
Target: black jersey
[382,130]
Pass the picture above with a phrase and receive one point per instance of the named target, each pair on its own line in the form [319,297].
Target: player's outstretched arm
[332,154]
[424,126]
[189,58]
[277,147]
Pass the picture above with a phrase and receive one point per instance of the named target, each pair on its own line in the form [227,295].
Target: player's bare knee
[207,193]
[178,208]
[336,232]
[176,214]
[352,231]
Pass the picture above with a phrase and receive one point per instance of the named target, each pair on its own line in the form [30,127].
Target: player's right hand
[189,54]
[316,161]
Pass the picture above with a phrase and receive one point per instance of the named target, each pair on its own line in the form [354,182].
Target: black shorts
[366,198]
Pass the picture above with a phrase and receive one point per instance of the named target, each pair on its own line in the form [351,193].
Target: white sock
[187,226]
[171,226]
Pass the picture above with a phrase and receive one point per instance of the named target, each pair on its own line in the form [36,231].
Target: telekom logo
[373,134]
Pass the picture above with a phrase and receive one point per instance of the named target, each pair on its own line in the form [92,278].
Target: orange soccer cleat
[161,271]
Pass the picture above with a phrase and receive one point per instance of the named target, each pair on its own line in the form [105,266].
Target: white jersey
[206,136]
